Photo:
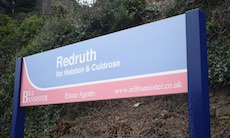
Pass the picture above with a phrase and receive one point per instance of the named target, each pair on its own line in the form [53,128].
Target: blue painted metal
[198,93]
[17,129]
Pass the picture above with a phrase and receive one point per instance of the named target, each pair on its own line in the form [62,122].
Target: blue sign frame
[198,92]
[198,87]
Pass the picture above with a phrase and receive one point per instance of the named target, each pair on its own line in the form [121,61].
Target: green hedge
[218,34]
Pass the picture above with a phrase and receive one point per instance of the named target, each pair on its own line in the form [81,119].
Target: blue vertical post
[17,128]
[198,93]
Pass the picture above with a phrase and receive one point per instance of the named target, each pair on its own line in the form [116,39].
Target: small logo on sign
[28,97]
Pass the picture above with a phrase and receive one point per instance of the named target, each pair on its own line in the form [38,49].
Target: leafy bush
[13,36]
[8,29]
[218,34]
[219,62]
